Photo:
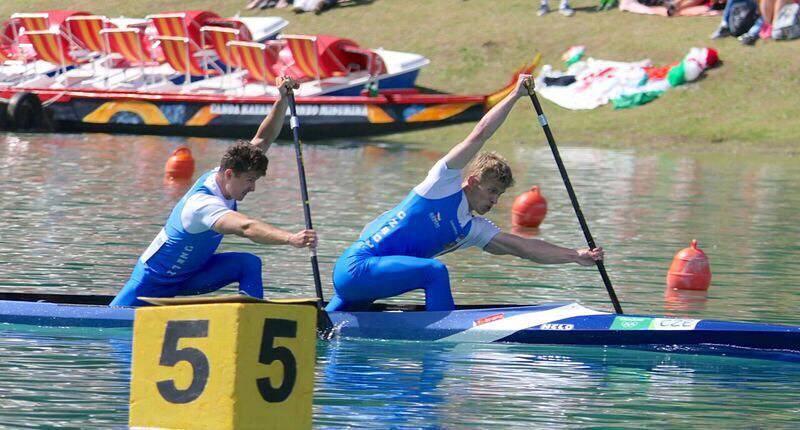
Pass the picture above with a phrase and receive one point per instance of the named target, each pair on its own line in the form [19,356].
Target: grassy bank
[752,101]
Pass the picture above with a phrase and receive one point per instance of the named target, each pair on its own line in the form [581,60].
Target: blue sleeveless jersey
[417,227]
[175,254]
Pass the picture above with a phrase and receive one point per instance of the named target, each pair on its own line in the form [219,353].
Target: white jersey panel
[201,210]
[481,233]
[440,182]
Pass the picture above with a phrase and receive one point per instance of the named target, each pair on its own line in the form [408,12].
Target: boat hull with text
[219,115]
[551,324]
[321,117]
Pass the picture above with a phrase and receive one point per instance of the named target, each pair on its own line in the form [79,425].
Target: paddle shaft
[585,227]
[301,171]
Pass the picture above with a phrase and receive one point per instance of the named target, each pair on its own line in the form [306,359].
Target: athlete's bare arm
[461,154]
[271,125]
[540,251]
[261,232]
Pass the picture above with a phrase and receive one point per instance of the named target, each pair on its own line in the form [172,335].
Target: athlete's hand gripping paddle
[585,227]
[295,125]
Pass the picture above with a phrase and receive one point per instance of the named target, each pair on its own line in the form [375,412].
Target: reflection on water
[412,385]
[679,302]
[63,380]
[80,380]
[79,209]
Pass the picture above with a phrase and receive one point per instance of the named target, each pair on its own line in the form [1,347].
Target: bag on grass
[787,26]
[743,15]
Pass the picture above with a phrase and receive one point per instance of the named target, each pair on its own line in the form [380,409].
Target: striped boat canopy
[53,47]
[86,30]
[179,54]
[182,24]
[130,43]
[257,58]
[217,38]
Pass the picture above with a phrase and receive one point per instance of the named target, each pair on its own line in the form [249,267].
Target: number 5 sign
[223,366]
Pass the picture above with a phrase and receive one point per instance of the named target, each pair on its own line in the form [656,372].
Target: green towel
[631,100]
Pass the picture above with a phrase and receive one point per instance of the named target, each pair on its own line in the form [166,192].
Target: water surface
[79,209]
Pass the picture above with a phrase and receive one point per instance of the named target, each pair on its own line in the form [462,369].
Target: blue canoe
[553,324]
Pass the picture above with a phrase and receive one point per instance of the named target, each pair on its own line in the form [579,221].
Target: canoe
[551,324]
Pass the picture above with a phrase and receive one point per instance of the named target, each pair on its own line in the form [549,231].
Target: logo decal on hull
[639,323]
[488,319]
[556,326]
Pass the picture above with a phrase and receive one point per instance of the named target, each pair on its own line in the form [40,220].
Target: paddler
[181,260]
[395,252]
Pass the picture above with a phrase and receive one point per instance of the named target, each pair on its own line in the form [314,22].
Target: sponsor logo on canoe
[556,326]
[631,323]
[640,323]
[488,319]
[673,324]
[302,110]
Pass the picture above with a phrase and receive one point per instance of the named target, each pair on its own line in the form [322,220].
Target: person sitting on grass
[761,28]
[669,8]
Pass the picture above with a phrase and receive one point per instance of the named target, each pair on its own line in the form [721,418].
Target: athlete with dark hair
[182,259]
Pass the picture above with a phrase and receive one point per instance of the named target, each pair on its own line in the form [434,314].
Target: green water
[79,209]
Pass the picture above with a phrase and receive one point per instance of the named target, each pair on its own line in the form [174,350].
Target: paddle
[295,124]
[571,192]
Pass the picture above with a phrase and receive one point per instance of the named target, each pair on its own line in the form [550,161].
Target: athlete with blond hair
[395,252]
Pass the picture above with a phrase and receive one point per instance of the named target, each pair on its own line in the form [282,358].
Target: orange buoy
[689,269]
[529,208]
[180,165]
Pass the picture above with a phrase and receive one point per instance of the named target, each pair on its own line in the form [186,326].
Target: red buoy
[689,269]
[180,165]
[529,208]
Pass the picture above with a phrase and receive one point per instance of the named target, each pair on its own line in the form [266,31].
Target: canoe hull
[553,324]
[322,117]
[572,324]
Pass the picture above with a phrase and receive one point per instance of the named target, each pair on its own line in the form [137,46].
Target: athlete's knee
[128,295]
[251,261]
[335,304]
[250,279]
[438,270]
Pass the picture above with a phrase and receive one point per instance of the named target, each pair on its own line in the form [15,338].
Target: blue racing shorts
[359,278]
[220,270]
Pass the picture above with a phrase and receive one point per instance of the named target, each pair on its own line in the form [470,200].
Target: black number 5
[277,328]
[171,355]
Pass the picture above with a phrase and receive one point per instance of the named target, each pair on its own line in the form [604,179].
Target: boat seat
[54,47]
[130,45]
[305,61]
[233,24]
[260,60]
[322,57]
[179,54]
[85,29]
[217,39]
[182,24]
[19,24]
[371,61]
[30,22]
[8,50]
